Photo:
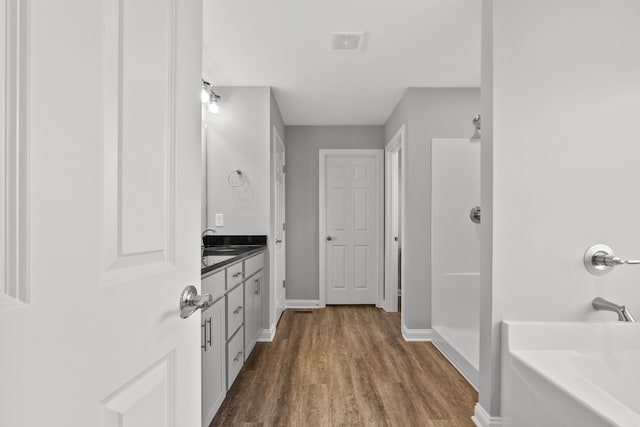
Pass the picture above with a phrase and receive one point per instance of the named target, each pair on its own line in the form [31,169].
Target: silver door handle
[278,241]
[330,238]
[190,301]
[238,309]
[237,274]
[238,356]
[474,215]
[257,282]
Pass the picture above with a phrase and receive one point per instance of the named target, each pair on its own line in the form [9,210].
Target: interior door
[281,241]
[352,204]
[101,220]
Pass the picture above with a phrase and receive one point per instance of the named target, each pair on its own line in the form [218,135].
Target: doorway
[350,228]
[279,226]
[394,219]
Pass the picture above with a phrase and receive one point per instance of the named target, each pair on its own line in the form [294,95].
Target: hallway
[346,365]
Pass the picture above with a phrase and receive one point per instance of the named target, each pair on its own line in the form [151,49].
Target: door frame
[275,310]
[397,143]
[323,154]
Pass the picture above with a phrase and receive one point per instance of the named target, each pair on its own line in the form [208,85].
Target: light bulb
[214,108]
[204,96]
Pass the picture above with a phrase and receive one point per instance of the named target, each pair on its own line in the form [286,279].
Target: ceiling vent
[347,42]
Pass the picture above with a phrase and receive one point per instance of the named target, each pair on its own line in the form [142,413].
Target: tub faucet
[623,314]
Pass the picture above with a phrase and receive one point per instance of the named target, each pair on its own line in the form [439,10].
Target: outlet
[219,220]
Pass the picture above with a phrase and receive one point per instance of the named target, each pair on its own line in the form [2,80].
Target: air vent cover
[347,41]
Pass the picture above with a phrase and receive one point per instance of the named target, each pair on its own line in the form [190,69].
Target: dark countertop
[222,251]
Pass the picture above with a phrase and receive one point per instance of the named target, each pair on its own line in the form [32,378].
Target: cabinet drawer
[235,357]
[253,264]
[214,285]
[234,275]
[235,310]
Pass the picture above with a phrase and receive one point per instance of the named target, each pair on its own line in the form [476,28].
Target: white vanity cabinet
[214,387]
[230,327]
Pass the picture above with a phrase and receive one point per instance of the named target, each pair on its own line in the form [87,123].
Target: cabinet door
[213,361]
[253,319]
[249,322]
[257,305]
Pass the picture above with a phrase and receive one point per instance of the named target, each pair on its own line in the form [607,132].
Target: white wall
[427,113]
[560,157]
[239,138]
[302,145]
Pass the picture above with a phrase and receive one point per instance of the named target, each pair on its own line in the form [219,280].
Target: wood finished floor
[346,365]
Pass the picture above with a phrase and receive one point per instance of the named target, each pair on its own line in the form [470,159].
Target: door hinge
[283,226]
[284,283]
[284,168]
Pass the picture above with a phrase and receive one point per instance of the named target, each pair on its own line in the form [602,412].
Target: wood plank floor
[346,365]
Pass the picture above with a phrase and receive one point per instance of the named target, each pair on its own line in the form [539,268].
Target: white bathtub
[570,374]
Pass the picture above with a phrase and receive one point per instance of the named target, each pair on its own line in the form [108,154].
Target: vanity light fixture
[208,96]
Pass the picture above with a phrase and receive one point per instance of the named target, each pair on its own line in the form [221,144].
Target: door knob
[330,238]
[474,215]
[190,301]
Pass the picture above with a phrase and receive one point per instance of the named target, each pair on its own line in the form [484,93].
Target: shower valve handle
[611,261]
[600,259]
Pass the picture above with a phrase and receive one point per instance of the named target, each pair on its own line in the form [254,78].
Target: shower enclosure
[455,252]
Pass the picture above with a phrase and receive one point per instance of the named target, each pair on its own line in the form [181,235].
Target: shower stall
[455,252]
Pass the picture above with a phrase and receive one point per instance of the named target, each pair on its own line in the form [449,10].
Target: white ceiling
[285,44]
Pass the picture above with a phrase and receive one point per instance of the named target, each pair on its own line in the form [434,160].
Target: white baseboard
[267,335]
[468,371]
[416,334]
[302,303]
[481,418]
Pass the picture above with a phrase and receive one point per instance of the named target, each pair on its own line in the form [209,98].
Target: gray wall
[427,113]
[302,144]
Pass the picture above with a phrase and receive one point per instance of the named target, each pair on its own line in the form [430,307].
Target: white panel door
[281,241]
[101,220]
[352,225]
[455,244]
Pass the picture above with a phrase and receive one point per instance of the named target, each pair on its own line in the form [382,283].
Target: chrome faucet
[623,314]
[204,233]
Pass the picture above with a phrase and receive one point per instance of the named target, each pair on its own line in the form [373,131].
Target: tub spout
[622,312]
